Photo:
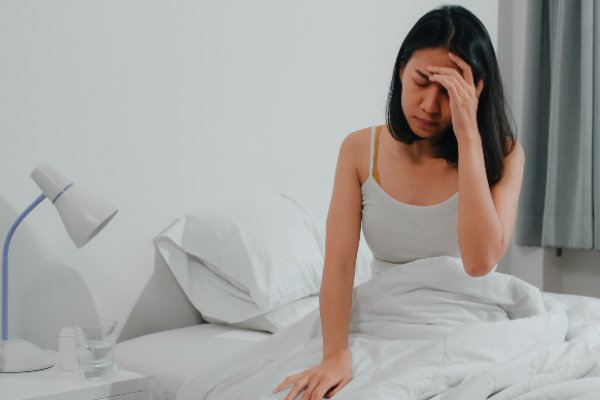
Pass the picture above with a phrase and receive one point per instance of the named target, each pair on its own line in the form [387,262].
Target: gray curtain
[560,198]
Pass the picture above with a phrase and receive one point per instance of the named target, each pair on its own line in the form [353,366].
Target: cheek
[409,100]
[404,101]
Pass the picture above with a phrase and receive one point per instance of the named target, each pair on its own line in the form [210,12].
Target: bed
[171,358]
[422,330]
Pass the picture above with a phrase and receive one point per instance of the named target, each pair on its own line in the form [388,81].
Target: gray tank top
[398,232]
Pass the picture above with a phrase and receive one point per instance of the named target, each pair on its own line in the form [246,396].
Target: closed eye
[421,84]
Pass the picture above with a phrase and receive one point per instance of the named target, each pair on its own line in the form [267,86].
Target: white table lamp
[83,215]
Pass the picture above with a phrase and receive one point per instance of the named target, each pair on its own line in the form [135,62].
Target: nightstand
[56,384]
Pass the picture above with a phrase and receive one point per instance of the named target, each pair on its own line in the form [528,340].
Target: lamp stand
[17,355]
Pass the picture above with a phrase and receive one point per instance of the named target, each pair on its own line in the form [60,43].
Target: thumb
[337,388]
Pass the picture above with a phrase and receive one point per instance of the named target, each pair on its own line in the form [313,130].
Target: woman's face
[426,104]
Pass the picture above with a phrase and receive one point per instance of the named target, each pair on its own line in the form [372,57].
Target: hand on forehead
[421,59]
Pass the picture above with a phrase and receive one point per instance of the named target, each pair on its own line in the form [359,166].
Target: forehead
[420,59]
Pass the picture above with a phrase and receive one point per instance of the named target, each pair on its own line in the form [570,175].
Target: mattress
[171,357]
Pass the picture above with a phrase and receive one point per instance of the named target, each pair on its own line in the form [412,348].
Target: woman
[447,133]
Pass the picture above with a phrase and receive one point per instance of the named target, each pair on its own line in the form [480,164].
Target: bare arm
[341,246]
[486,218]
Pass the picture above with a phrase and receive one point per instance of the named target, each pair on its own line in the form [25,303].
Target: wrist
[470,139]
[336,354]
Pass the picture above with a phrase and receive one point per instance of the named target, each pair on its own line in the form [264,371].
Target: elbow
[478,269]
[477,273]
[479,258]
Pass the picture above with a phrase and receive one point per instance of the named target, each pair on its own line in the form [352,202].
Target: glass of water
[95,343]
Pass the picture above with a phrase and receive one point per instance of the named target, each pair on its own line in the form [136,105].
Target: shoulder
[357,140]
[356,147]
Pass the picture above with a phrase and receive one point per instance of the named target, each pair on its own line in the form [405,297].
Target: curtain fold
[560,198]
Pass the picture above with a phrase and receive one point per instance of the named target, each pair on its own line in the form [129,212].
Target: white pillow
[239,265]
[316,204]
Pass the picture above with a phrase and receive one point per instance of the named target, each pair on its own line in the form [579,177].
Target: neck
[420,151]
[417,152]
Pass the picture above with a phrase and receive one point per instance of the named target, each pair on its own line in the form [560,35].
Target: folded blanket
[421,330]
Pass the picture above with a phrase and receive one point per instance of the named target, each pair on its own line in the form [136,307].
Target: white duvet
[426,330]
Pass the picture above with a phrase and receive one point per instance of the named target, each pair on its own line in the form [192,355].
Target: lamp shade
[83,214]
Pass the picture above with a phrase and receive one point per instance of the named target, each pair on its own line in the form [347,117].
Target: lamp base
[18,355]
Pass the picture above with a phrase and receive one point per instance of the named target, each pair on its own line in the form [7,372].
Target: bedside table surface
[56,384]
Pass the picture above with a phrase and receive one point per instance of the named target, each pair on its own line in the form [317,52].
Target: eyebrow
[424,75]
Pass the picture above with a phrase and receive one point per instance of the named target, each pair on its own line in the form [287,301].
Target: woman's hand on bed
[322,381]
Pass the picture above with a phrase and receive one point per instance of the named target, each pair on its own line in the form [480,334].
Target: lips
[425,123]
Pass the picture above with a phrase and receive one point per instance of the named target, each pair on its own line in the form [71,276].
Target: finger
[288,381]
[464,66]
[308,394]
[323,389]
[447,84]
[444,70]
[458,87]
[318,389]
[336,389]
[328,394]
[297,388]
[453,73]
[463,91]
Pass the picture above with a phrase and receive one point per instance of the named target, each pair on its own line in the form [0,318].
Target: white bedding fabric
[171,357]
[426,330]
[245,259]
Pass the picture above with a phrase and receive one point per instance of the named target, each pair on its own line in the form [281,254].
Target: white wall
[576,271]
[164,107]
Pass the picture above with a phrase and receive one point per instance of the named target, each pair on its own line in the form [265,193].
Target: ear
[479,87]
[401,73]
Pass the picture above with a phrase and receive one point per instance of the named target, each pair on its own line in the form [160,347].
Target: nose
[430,103]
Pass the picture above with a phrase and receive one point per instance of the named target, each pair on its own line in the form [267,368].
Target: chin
[423,133]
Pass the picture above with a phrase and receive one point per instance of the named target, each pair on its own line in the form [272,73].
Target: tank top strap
[372,151]
[375,133]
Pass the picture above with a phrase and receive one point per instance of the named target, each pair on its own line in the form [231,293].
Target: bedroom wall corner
[162,305]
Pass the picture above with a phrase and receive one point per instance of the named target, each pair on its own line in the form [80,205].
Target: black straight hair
[459,31]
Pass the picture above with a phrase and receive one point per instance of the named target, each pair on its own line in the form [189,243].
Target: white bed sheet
[171,357]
